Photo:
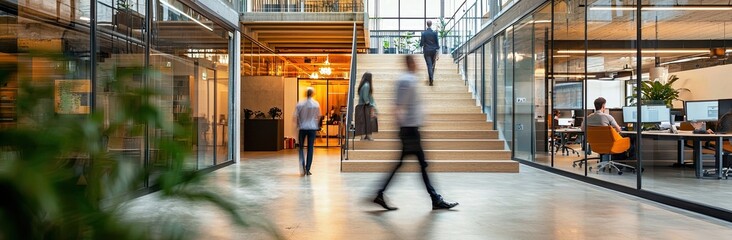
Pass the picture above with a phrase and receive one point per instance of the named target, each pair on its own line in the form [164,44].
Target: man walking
[409,116]
[429,45]
[307,115]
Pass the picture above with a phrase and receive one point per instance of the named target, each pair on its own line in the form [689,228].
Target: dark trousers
[310,134]
[431,58]
[412,145]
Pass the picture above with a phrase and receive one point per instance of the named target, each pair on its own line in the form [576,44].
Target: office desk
[564,134]
[697,139]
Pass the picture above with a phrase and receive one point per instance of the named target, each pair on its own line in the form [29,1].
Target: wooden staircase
[456,136]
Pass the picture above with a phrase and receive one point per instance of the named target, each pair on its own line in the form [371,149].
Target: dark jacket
[428,41]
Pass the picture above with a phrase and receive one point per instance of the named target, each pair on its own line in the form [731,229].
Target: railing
[405,42]
[351,95]
[307,6]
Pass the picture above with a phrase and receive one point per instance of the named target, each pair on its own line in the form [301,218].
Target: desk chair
[727,152]
[562,140]
[605,141]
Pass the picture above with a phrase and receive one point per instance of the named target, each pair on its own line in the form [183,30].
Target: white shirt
[307,114]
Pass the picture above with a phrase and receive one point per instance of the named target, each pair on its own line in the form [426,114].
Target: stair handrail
[351,94]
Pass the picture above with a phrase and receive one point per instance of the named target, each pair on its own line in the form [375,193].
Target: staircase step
[440,125]
[433,144]
[433,101]
[437,103]
[496,166]
[442,109]
[444,95]
[446,155]
[442,134]
[393,76]
[424,88]
[459,117]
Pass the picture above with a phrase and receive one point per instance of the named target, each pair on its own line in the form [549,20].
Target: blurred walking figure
[366,122]
[429,44]
[307,115]
[409,114]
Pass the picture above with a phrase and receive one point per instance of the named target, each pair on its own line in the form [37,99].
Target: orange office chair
[604,140]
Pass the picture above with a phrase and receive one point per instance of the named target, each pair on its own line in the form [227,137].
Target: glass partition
[684,50]
[92,68]
[566,88]
[551,67]
[607,29]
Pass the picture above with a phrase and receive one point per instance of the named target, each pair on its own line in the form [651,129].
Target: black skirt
[365,122]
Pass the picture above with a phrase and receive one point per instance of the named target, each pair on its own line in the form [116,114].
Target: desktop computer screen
[701,110]
[649,114]
[565,121]
[618,115]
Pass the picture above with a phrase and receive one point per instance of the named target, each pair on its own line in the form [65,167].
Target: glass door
[331,94]
[523,38]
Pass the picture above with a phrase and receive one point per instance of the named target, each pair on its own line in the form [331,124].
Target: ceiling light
[572,76]
[326,70]
[611,8]
[683,60]
[686,8]
[609,51]
[664,8]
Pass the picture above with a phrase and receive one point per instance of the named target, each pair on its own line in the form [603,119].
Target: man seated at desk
[601,118]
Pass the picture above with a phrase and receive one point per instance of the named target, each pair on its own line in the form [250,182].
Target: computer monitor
[701,110]
[578,121]
[565,121]
[618,115]
[678,114]
[649,114]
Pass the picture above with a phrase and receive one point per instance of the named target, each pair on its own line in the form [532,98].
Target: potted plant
[442,33]
[248,113]
[259,115]
[656,92]
[387,46]
[275,113]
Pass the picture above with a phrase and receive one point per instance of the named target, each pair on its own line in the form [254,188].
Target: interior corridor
[532,204]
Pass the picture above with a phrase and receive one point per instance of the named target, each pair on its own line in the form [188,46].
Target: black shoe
[430,84]
[442,204]
[309,173]
[380,200]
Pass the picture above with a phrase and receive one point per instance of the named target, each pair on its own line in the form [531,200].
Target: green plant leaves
[657,91]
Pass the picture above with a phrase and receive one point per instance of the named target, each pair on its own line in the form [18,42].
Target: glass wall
[552,66]
[51,43]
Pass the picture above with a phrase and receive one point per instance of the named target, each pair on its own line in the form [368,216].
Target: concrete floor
[333,205]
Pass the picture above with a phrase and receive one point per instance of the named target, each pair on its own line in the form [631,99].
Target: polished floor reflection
[333,205]
[660,176]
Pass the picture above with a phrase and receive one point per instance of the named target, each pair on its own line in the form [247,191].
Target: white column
[236,91]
